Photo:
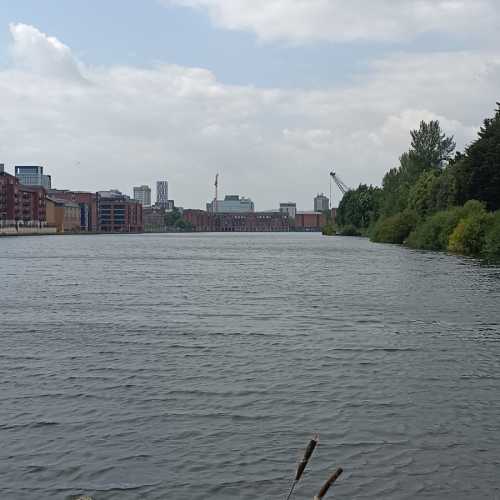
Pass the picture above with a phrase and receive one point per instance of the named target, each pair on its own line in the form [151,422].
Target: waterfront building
[63,215]
[117,213]
[154,219]
[310,221]
[289,208]
[205,221]
[32,175]
[232,203]
[142,194]
[321,203]
[19,204]
[87,203]
[162,194]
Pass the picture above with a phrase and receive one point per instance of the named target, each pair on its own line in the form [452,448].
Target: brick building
[309,221]
[237,222]
[21,205]
[117,213]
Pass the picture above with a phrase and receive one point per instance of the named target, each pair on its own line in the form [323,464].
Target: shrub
[349,230]
[469,237]
[394,229]
[491,249]
[434,233]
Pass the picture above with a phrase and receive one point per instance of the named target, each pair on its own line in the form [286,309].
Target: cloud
[300,21]
[37,52]
[127,125]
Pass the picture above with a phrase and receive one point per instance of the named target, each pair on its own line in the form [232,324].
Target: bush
[434,233]
[469,237]
[491,249]
[349,230]
[394,229]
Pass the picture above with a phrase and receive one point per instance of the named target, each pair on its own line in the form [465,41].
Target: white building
[162,194]
[143,195]
[31,175]
[289,208]
[231,204]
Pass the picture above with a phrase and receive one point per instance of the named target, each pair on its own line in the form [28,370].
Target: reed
[328,484]
[303,463]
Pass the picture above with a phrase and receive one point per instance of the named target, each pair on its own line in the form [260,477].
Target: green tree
[430,146]
[480,170]
[359,207]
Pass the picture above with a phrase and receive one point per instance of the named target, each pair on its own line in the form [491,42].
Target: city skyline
[271,103]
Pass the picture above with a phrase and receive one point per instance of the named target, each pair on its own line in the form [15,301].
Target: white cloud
[126,125]
[342,20]
[37,52]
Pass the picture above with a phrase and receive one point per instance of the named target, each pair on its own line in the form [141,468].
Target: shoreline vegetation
[436,199]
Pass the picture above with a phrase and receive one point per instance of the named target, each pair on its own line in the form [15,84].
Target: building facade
[321,203]
[309,221]
[289,208]
[117,213]
[203,221]
[142,194]
[20,204]
[32,175]
[231,204]
[87,203]
[162,194]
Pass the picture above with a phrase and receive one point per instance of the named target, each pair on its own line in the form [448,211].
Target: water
[198,366]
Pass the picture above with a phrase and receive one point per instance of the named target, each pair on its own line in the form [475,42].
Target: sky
[270,94]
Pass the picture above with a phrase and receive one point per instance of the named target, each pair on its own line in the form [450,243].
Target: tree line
[436,198]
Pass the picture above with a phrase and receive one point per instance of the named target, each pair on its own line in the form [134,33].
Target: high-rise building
[321,203]
[289,208]
[142,194]
[162,194]
[32,175]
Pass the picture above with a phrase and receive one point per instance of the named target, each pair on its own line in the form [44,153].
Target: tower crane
[340,183]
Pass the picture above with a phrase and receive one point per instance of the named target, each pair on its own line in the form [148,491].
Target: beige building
[63,215]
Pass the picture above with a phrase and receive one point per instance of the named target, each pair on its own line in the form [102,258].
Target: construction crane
[214,203]
[341,184]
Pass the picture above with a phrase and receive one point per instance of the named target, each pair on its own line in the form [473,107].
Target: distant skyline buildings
[232,203]
[142,194]
[162,194]
[321,203]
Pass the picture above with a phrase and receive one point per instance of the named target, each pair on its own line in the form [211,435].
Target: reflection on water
[198,366]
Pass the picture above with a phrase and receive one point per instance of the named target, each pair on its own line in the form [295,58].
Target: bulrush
[303,463]
[324,490]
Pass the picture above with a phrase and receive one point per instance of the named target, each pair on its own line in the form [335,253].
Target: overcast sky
[272,94]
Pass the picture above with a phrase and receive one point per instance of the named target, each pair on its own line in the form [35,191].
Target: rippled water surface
[198,366]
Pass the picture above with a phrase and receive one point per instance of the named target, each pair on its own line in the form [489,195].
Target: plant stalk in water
[303,463]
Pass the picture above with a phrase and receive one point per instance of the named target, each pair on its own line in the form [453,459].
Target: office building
[289,208]
[231,204]
[30,175]
[162,194]
[142,194]
[321,203]
[117,213]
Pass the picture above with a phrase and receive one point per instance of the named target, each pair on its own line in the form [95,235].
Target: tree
[359,207]
[430,146]
[480,170]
